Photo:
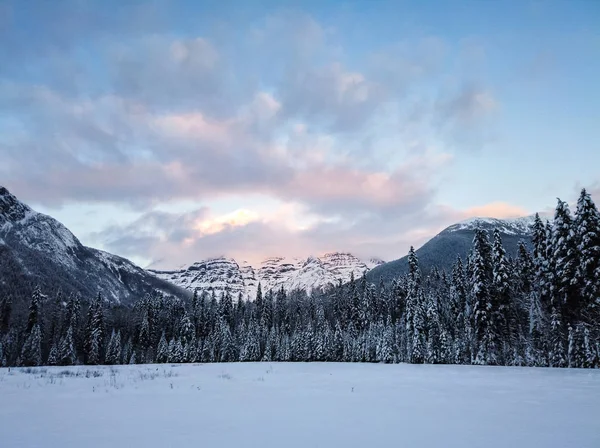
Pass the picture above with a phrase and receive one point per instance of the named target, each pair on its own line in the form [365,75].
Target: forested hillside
[540,308]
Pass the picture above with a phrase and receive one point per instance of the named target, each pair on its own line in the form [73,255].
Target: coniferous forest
[537,307]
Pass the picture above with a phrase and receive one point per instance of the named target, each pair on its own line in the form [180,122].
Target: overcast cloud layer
[241,138]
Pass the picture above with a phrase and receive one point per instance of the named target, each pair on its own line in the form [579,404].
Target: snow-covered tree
[564,264]
[484,331]
[587,235]
[67,354]
[162,353]
[31,355]
[113,352]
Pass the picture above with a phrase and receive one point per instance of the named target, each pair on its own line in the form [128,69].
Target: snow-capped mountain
[312,273]
[36,249]
[514,226]
[442,250]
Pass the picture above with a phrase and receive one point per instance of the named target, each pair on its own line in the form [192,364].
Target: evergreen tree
[67,355]
[227,348]
[564,263]
[557,348]
[5,314]
[113,352]
[34,309]
[162,353]
[483,306]
[461,313]
[31,355]
[3,360]
[144,335]
[589,352]
[432,354]
[53,355]
[503,318]
[127,352]
[587,235]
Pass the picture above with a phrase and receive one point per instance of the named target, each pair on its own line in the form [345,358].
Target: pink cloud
[501,210]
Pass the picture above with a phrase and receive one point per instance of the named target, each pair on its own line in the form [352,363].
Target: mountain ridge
[442,250]
[36,249]
[227,274]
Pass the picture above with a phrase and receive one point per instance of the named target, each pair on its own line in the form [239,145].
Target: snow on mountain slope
[216,273]
[515,226]
[313,273]
[455,241]
[36,249]
[35,230]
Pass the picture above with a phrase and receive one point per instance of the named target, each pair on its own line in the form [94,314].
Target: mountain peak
[11,209]
[511,226]
[37,249]
[311,273]
[456,240]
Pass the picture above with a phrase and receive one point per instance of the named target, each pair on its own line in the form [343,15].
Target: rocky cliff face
[36,249]
[313,273]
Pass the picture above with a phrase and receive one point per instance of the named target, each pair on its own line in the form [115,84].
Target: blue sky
[171,131]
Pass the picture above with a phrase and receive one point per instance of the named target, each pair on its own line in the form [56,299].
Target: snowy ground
[299,405]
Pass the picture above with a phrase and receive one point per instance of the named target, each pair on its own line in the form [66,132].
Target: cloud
[339,99]
[168,240]
[115,149]
[276,111]
[468,105]
[500,210]
[464,116]
[181,74]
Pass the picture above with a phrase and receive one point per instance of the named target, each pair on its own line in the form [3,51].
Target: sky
[172,131]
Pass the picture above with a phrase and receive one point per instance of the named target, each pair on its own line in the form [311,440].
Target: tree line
[538,307]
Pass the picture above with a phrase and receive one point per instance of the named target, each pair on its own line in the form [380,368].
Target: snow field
[299,405]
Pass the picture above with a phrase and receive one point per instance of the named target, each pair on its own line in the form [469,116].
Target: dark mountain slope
[442,250]
[36,249]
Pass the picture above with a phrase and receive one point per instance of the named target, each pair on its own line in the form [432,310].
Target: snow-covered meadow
[299,405]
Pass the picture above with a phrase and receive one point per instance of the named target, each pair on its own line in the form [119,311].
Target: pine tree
[53,355]
[113,352]
[587,235]
[432,354]
[338,343]
[127,352]
[446,348]
[503,319]
[31,355]
[461,313]
[590,355]
[144,335]
[483,327]
[557,348]
[5,314]
[94,333]
[188,332]
[576,356]
[177,355]
[34,310]
[269,353]
[162,353]
[385,345]
[415,312]
[67,355]
[56,318]
[227,348]
[564,263]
